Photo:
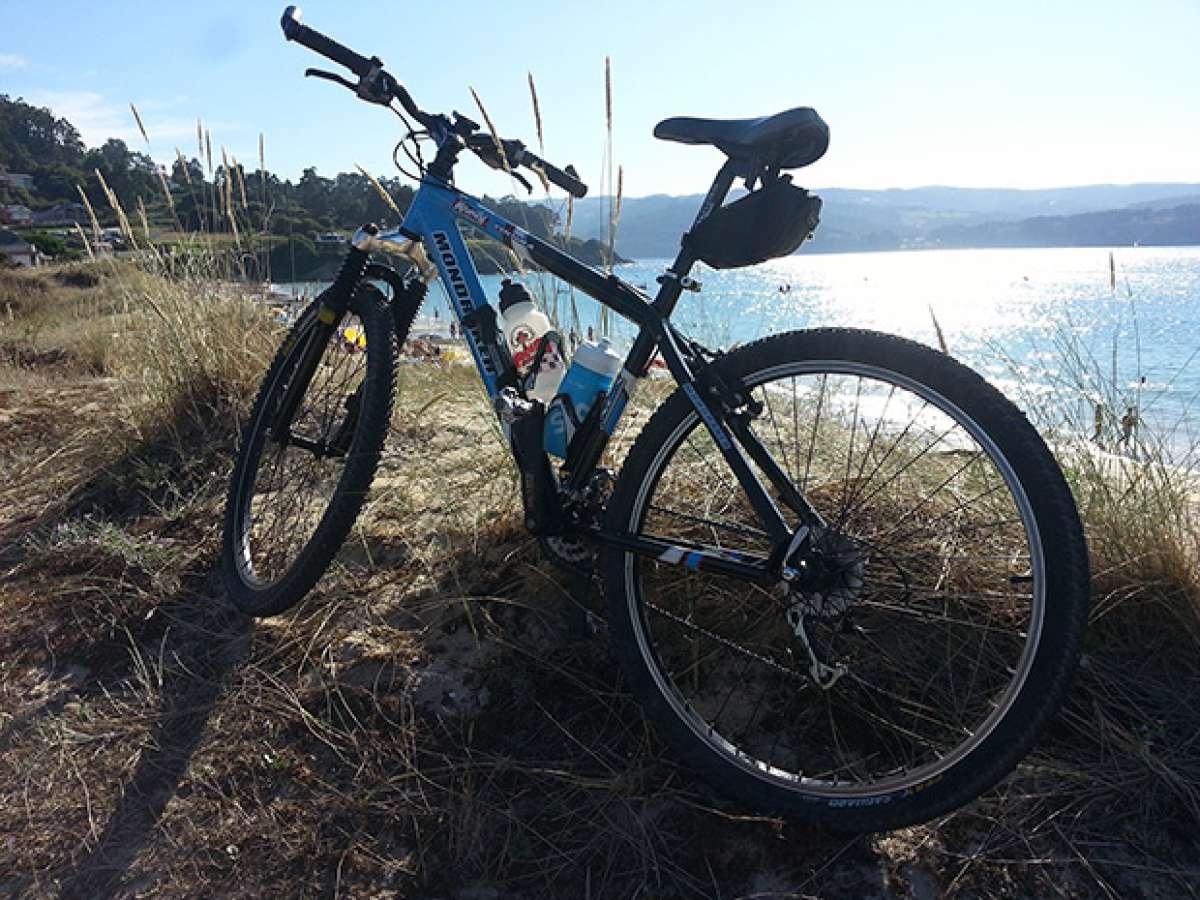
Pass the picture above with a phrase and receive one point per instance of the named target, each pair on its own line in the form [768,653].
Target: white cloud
[97,119]
[12,61]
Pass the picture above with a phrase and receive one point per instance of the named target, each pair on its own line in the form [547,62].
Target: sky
[964,93]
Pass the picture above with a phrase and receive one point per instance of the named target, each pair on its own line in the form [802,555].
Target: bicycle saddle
[788,140]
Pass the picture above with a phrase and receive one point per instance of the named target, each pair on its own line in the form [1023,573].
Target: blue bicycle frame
[432,223]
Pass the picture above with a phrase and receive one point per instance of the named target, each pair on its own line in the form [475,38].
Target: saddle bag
[770,222]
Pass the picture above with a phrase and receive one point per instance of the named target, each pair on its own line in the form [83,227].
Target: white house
[17,252]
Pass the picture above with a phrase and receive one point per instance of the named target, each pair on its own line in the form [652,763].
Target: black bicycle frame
[432,220]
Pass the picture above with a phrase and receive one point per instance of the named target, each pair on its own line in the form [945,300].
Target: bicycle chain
[727,643]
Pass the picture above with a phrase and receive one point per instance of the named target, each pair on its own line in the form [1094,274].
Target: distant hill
[930,216]
[1138,225]
[1168,203]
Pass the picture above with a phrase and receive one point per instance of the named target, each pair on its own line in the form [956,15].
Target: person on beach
[1098,432]
[453,330]
[1129,422]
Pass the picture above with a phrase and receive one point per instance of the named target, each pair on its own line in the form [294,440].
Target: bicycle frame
[433,221]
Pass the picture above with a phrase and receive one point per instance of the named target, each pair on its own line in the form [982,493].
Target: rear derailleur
[822,576]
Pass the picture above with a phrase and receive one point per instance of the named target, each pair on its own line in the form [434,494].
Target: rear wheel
[293,498]
[947,587]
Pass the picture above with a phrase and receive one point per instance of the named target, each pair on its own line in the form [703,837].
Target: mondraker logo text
[452,269]
[462,296]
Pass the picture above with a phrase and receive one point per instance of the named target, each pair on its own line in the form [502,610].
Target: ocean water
[1047,326]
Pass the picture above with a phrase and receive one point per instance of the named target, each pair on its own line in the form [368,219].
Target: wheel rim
[943,632]
[286,489]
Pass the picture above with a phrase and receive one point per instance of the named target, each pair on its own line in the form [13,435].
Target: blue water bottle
[592,372]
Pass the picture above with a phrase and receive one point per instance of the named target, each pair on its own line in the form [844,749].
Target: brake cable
[401,144]
[413,135]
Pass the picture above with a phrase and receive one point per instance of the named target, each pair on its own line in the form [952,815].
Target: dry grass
[430,723]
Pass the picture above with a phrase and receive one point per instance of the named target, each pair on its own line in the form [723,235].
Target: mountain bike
[843,574]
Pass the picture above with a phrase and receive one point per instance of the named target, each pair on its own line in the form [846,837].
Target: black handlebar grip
[564,180]
[327,47]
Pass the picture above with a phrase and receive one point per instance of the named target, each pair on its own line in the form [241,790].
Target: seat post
[719,191]
[672,279]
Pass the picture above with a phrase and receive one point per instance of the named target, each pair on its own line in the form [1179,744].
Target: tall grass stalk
[87,204]
[537,116]
[262,176]
[487,119]
[381,191]
[138,119]
[241,183]
[115,203]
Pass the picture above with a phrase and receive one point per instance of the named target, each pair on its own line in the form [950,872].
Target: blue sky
[1013,94]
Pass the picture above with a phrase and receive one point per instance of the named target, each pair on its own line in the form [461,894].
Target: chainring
[576,553]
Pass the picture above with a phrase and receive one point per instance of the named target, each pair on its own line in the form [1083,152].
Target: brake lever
[331,76]
[485,149]
[521,178]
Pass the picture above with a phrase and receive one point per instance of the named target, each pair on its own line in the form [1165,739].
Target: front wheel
[946,586]
[298,486]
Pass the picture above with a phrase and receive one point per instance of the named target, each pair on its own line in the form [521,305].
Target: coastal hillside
[1153,226]
[932,217]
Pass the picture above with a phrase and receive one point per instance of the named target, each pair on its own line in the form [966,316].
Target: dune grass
[432,721]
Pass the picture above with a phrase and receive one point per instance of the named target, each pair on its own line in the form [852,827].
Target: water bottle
[529,334]
[592,372]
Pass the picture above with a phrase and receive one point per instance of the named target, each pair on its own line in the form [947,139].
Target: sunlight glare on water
[1036,322]
[1041,324]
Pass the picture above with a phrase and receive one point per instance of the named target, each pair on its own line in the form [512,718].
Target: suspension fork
[407,297]
[332,309]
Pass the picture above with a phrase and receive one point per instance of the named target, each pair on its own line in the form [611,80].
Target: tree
[32,137]
[50,244]
[294,258]
[57,182]
[190,173]
[315,194]
[127,174]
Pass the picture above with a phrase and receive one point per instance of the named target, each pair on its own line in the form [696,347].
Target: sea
[1062,331]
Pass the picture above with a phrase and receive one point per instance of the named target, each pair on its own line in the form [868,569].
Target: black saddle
[786,140]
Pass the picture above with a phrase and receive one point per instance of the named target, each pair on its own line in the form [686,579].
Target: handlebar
[377,86]
[326,46]
[567,179]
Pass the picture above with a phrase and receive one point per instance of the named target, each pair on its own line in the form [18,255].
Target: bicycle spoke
[936,624]
[293,486]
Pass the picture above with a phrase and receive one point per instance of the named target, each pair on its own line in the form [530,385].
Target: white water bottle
[592,372]
[529,335]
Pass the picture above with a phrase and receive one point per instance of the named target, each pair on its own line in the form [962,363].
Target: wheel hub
[825,574]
